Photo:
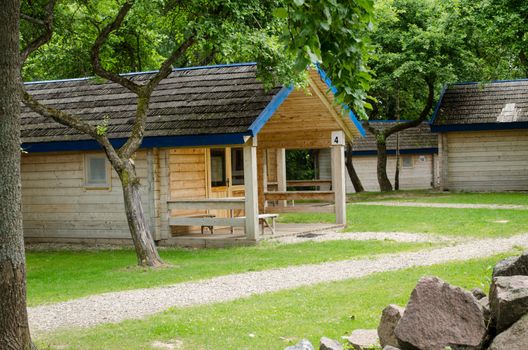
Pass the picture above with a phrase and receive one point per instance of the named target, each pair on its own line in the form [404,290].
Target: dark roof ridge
[242,64]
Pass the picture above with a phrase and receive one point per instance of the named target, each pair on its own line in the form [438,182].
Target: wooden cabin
[483,136]
[215,138]
[418,158]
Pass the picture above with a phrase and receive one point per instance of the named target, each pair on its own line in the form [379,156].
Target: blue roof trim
[146,72]
[148,142]
[431,150]
[332,88]
[437,107]
[270,109]
[479,127]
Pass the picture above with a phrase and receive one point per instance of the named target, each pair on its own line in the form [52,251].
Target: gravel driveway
[135,304]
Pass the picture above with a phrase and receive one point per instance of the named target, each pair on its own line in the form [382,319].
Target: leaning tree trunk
[14,329]
[383,179]
[146,251]
[356,181]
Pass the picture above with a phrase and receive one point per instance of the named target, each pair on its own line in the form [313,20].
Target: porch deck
[222,238]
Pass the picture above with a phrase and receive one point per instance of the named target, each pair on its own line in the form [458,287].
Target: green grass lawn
[479,223]
[275,320]
[428,196]
[62,275]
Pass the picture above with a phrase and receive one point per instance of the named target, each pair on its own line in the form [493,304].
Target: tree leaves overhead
[335,34]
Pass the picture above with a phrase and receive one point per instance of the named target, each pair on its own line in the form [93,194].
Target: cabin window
[97,172]
[218,167]
[407,162]
[237,166]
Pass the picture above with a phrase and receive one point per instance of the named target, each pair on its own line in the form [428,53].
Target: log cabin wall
[58,206]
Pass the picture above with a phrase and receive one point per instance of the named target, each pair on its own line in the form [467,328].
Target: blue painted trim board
[270,109]
[332,88]
[148,142]
[432,150]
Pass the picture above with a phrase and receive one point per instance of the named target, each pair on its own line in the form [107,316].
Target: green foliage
[102,128]
[300,164]
[333,33]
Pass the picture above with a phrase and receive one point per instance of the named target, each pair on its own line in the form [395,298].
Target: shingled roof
[419,139]
[224,99]
[496,105]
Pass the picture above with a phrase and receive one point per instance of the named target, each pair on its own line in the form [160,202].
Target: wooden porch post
[338,176]
[251,189]
[281,173]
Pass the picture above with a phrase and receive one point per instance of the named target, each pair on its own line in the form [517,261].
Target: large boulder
[363,339]
[516,265]
[329,344]
[302,345]
[514,338]
[439,315]
[390,316]
[508,300]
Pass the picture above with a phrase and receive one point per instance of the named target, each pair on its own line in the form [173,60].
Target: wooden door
[226,175]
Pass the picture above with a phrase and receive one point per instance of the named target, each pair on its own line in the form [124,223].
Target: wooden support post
[251,190]
[265,176]
[281,174]
[338,176]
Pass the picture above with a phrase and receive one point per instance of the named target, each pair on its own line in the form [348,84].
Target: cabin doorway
[226,176]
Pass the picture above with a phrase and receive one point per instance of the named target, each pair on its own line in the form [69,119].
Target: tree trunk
[356,182]
[397,170]
[383,179]
[14,328]
[146,251]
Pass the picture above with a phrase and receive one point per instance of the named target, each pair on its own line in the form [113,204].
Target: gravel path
[445,205]
[323,236]
[135,304]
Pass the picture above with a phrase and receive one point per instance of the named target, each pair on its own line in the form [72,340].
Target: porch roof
[197,106]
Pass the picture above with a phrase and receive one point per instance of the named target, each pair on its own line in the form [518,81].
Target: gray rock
[302,345]
[484,302]
[478,293]
[329,344]
[390,316]
[508,300]
[363,339]
[440,315]
[516,265]
[514,338]
[388,347]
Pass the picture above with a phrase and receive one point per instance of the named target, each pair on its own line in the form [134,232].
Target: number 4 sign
[338,138]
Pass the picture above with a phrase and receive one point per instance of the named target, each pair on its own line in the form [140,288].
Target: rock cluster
[439,316]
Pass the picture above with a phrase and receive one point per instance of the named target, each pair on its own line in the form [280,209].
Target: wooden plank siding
[419,177]
[487,160]
[57,205]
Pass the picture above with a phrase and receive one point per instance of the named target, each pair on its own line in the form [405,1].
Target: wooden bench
[263,221]
[202,227]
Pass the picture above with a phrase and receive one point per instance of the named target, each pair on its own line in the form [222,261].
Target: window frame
[108,172]
[408,156]
[224,168]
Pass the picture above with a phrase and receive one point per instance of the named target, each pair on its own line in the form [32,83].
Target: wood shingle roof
[487,103]
[209,100]
[417,138]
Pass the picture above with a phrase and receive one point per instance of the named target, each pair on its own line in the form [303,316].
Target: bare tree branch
[99,42]
[71,121]
[423,115]
[42,39]
[32,19]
